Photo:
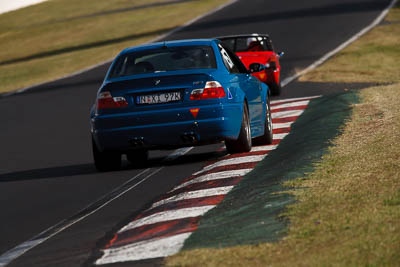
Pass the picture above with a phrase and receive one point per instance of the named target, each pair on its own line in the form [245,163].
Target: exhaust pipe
[189,138]
[137,141]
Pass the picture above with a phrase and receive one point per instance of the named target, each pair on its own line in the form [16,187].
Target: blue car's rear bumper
[166,128]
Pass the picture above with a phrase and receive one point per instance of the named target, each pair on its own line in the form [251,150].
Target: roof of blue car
[169,44]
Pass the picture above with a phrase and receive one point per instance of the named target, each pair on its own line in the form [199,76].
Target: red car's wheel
[276,89]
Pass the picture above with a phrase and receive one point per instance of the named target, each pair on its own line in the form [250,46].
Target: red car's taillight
[106,100]
[213,89]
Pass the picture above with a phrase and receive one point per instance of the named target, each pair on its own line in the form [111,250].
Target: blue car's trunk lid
[157,92]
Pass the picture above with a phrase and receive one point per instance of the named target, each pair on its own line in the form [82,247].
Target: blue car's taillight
[213,89]
[106,100]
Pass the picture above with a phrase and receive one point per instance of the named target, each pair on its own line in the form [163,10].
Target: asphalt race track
[46,169]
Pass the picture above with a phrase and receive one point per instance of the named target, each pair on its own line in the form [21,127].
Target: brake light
[213,89]
[106,100]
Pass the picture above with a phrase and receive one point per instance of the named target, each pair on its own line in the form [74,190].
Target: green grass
[348,208]
[52,39]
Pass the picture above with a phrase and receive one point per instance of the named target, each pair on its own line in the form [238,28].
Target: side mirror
[280,54]
[256,67]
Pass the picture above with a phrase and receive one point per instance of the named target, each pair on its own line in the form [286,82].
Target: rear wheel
[243,143]
[266,139]
[105,160]
[137,157]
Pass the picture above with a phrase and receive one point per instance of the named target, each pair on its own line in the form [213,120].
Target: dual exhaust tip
[190,137]
[137,141]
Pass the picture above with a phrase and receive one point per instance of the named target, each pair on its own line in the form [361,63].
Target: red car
[257,48]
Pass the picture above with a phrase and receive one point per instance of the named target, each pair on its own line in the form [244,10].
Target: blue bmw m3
[175,94]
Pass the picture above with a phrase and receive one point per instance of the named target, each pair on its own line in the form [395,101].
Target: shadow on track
[186,159]
[45,173]
[60,84]
[89,168]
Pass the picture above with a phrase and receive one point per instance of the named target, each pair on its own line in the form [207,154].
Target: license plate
[158,98]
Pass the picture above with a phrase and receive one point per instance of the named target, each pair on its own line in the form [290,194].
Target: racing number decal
[226,57]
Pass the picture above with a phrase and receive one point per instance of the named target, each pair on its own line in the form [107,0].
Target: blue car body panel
[163,125]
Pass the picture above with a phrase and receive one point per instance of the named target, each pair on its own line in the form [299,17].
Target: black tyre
[243,143]
[276,88]
[267,138]
[137,157]
[105,160]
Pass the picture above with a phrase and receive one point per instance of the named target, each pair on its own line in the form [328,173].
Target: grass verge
[347,211]
[52,39]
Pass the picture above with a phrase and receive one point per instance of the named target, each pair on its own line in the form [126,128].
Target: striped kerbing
[161,230]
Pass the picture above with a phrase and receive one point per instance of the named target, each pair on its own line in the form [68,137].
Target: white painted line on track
[154,248]
[279,125]
[340,47]
[25,246]
[296,99]
[178,153]
[194,194]
[289,113]
[280,136]
[215,176]
[246,159]
[263,148]
[167,216]
[289,105]
[19,250]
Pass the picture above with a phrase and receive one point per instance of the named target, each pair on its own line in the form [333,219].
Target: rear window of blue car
[164,59]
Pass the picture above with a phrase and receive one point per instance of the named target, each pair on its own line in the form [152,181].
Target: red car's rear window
[248,44]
